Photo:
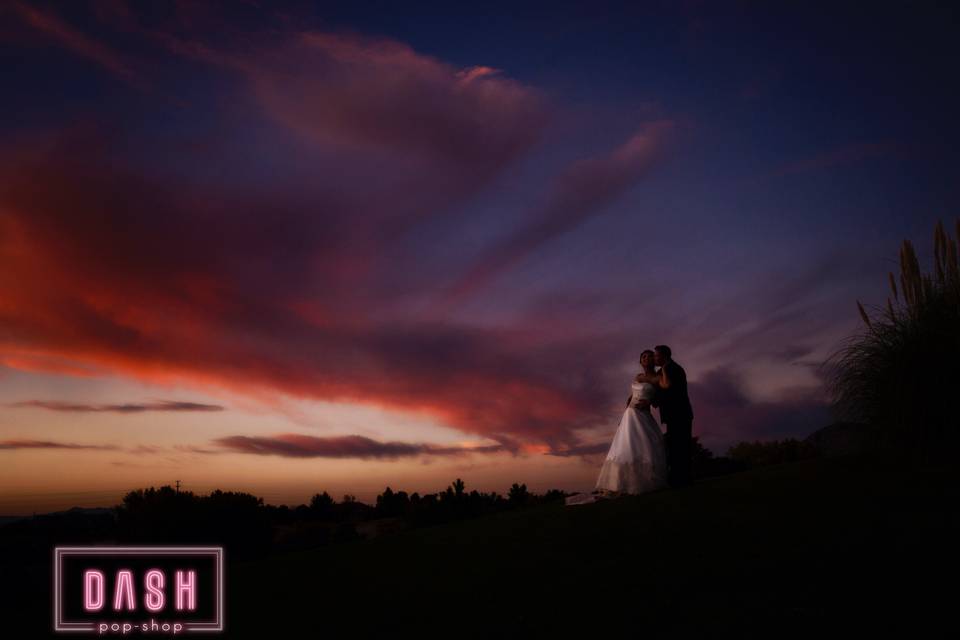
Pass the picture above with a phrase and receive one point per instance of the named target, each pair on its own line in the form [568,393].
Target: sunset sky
[337,246]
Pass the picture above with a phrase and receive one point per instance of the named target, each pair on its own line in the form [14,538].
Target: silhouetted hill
[93,511]
[807,547]
[828,546]
[841,438]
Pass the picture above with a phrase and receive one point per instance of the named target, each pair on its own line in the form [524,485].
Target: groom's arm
[673,374]
[664,377]
[655,379]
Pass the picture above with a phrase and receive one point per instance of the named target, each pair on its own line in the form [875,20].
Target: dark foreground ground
[809,546]
[824,548]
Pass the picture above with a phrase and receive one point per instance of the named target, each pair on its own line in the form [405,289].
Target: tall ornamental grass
[900,375]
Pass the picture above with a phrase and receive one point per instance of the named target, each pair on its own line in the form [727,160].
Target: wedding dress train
[637,461]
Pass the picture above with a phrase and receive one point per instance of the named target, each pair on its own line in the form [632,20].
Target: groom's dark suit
[677,414]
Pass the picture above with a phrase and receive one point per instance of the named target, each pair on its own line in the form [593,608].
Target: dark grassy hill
[821,547]
[806,547]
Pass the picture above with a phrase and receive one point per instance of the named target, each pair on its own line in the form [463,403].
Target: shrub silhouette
[706,464]
[455,503]
[761,454]
[899,373]
[554,494]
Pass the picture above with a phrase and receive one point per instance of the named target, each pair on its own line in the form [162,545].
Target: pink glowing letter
[93,590]
[123,592]
[153,582]
[186,584]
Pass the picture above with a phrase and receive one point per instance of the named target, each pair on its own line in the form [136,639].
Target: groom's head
[661,355]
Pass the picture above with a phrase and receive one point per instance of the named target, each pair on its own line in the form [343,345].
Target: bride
[637,461]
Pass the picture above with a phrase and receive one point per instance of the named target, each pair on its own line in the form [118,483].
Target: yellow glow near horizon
[153,449]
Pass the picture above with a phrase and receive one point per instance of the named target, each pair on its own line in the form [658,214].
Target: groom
[676,413]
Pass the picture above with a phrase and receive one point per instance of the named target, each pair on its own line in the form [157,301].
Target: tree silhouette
[321,506]
[518,494]
[237,520]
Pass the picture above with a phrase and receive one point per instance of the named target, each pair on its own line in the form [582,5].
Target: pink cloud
[581,191]
[49,444]
[77,42]
[378,95]
[303,446]
[130,407]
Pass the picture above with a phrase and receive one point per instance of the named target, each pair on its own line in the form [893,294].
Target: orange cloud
[116,272]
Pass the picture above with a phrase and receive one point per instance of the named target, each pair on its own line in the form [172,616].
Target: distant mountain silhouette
[92,511]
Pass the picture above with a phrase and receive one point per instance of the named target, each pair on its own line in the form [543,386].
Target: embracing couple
[641,458]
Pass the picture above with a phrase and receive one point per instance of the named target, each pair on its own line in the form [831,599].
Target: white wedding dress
[637,460]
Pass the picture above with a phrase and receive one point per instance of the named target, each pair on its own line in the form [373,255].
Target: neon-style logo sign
[138,590]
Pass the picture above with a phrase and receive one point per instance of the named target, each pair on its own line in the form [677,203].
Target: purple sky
[364,235]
